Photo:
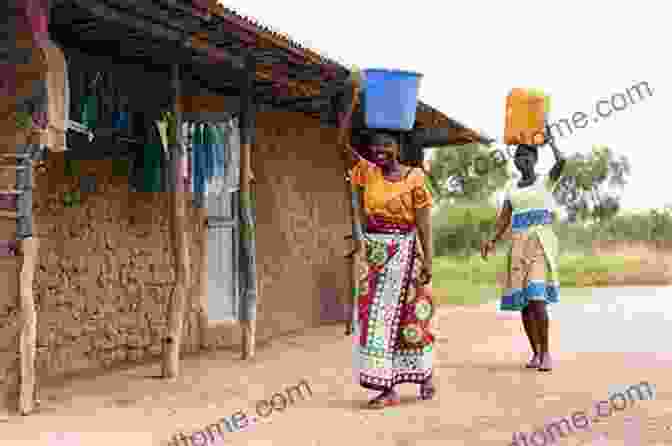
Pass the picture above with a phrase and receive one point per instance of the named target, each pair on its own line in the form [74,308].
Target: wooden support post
[202,218]
[178,299]
[247,124]
[28,250]
[248,327]
[344,121]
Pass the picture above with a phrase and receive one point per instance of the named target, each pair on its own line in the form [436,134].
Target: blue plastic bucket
[390,99]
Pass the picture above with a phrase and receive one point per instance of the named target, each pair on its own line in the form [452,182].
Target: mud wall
[105,272]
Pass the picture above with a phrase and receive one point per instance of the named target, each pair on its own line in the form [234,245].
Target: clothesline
[210,162]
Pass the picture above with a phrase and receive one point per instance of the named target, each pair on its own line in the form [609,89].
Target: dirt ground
[484,395]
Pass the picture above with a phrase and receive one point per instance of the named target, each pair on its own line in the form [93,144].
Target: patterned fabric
[386,293]
[248,258]
[532,272]
[527,277]
[416,326]
[386,289]
[521,221]
[396,201]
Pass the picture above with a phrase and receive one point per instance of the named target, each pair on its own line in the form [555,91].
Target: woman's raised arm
[556,170]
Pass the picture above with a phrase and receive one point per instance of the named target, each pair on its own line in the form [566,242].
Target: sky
[472,53]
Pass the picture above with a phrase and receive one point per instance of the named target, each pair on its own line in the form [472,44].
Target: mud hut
[108,255]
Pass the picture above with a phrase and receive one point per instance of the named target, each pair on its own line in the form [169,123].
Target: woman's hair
[383,139]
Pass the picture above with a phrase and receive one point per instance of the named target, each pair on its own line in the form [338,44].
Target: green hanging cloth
[90,112]
[151,175]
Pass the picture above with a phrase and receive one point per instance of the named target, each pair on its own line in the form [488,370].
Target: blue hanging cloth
[200,163]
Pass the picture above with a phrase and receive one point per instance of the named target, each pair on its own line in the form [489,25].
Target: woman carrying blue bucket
[392,340]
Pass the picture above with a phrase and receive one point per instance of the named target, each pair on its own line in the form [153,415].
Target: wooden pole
[178,299]
[249,326]
[202,218]
[344,124]
[29,250]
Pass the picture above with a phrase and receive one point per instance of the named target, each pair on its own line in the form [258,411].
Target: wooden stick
[177,303]
[344,124]
[202,218]
[248,327]
[29,250]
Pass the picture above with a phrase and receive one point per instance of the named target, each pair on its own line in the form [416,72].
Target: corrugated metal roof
[428,116]
[261,27]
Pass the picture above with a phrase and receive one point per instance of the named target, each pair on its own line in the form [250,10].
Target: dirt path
[484,395]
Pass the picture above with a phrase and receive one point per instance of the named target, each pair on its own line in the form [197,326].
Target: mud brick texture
[105,271]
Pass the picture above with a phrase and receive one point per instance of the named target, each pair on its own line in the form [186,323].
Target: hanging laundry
[216,182]
[162,127]
[152,157]
[199,165]
[183,180]
[190,168]
[188,140]
[90,103]
[209,156]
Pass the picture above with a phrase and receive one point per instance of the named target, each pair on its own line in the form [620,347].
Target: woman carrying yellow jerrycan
[528,211]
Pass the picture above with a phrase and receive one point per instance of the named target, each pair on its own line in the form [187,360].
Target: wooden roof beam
[109,14]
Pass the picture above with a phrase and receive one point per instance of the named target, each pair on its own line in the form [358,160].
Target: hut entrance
[223,235]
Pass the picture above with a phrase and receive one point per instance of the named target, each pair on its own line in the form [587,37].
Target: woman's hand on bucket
[486,247]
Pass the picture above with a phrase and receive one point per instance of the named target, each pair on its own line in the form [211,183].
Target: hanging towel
[162,127]
[190,171]
[181,182]
[209,156]
[90,111]
[219,160]
[189,140]
[152,157]
[199,166]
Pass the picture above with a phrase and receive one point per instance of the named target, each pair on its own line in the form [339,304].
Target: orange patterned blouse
[395,201]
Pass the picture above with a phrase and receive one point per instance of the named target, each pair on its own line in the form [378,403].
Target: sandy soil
[484,395]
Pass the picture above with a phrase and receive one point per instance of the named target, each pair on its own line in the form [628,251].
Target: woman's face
[525,160]
[385,155]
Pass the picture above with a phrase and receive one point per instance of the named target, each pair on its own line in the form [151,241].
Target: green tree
[586,189]
[470,172]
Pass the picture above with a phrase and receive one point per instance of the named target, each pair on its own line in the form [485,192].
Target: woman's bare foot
[427,390]
[546,364]
[535,362]
[385,399]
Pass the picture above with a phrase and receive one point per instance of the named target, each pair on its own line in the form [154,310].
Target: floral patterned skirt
[386,298]
[531,271]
